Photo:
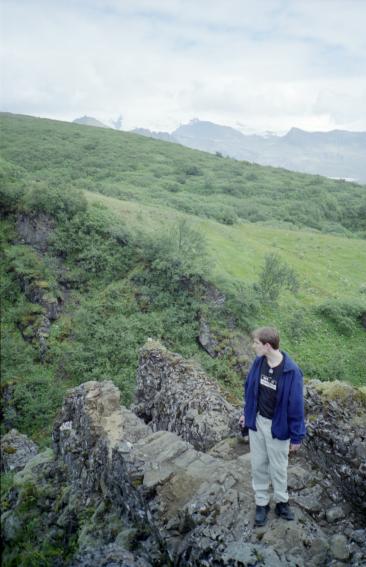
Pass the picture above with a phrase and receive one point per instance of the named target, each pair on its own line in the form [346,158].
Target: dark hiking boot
[261,515]
[284,511]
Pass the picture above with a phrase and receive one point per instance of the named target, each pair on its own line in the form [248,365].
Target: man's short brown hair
[267,335]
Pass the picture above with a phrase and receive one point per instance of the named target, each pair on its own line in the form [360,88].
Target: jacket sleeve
[296,422]
[245,386]
[247,381]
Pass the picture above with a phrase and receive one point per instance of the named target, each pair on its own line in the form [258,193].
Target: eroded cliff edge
[173,487]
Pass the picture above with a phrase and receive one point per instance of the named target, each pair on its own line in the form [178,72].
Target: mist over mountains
[338,153]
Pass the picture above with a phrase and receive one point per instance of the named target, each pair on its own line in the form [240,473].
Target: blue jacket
[288,419]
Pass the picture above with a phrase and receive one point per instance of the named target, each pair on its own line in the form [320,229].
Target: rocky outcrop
[36,325]
[16,451]
[219,342]
[199,507]
[173,394]
[226,342]
[128,493]
[336,440]
[35,230]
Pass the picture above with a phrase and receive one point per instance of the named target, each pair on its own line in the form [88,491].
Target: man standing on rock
[274,415]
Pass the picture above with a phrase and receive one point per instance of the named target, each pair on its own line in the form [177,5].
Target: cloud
[272,64]
[344,107]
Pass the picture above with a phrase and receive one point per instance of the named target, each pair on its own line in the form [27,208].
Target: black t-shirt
[268,388]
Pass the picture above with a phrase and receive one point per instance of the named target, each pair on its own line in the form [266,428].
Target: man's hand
[241,421]
[294,447]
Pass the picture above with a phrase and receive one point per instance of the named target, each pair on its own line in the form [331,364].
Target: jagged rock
[29,471]
[230,448]
[36,326]
[359,536]
[339,547]
[336,440]
[155,500]
[310,499]
[224,341]
[159,468]
[174,395]
[218,343]
[320,548]
[110,555]
[199,505]
[299,477]
[334,514]
[10,526]
[242,553]
[35,230]
[16,451]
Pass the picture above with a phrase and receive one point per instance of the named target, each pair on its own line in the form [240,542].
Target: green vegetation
[275,276]
[139,228]
[66,156]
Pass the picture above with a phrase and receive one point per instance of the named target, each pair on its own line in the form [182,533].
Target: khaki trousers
[269,460]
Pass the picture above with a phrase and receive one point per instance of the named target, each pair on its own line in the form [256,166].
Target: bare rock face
[174,395]
[231,343]
[199,506]
[35,230]
[16,451]
[336,440]
[223,342]
[110,555]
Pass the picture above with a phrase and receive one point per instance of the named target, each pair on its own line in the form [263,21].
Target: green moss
[42,284]
[27,475]
[8,449]
[6,483]
[340,391]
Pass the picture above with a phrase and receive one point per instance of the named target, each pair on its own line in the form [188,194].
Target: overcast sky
[254,64]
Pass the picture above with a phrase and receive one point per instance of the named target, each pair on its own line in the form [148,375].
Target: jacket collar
[288,363]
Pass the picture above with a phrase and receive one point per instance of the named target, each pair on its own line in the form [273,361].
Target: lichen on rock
[16,450]
[172,394]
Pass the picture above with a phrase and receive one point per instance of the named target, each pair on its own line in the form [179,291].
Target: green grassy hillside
[132,167]
[139,228]
[331,272]
[327,265]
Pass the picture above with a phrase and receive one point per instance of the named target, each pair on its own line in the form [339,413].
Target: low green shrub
[275,276]
[12,186]
[343,314]
[59,202]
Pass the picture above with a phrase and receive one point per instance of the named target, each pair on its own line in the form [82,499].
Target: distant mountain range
[90,121]
[336,154]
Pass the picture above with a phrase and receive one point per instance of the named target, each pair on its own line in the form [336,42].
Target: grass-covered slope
[327,264]
[139,226]
[149,171]
[321,323]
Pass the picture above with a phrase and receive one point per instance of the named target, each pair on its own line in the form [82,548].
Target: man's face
[259,348]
